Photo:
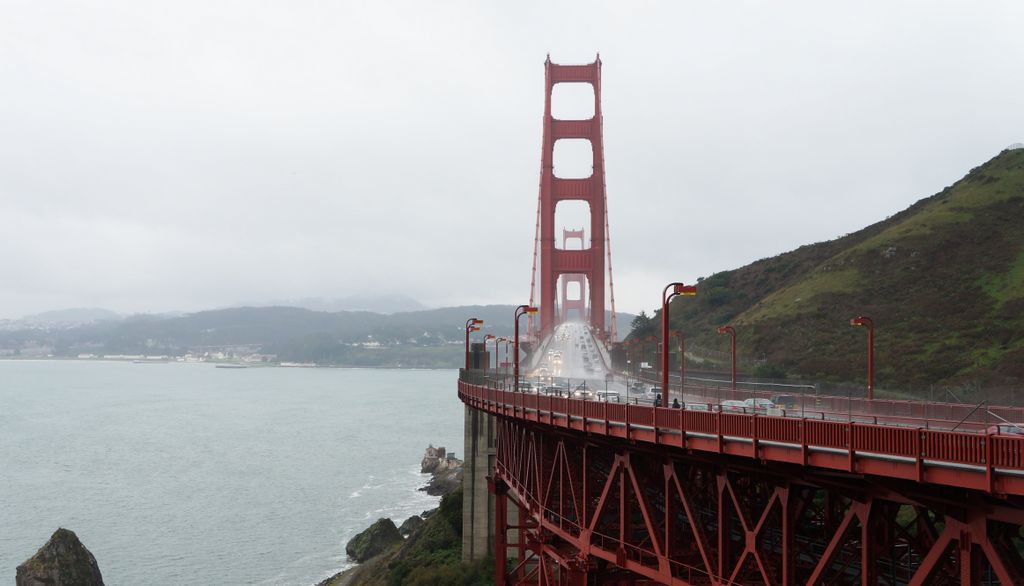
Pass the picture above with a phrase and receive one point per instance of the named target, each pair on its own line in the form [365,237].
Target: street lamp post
[520,312]
[682,363]
[495,338]
[636,359]
[670,291]
[867,322]
[630,358]
[471,326]
[654,354]
[504,370]
[627,363]
[729,330]
[640,358]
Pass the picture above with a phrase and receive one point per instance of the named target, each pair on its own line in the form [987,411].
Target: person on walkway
[675,404]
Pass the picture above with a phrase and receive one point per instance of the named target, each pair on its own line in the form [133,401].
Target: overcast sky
[186,155]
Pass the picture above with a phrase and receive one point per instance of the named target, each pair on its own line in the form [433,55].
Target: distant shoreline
[255,366]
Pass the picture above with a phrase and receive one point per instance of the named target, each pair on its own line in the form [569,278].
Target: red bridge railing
[928,413]
[987,462]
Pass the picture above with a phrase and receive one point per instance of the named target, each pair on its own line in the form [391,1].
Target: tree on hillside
[640,323]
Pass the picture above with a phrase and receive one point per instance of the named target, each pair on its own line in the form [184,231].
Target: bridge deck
[979,461]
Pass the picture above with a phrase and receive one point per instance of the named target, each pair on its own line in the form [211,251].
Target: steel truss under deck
[597,510]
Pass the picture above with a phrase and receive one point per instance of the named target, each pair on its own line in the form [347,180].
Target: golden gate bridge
[573,488]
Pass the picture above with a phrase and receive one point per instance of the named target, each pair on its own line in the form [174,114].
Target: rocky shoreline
[385,551]
[426,545]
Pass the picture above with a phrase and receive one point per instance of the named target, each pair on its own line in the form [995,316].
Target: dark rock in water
[377,538]
[63,561]
[410,525]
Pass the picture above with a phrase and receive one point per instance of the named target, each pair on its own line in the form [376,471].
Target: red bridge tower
[588,263]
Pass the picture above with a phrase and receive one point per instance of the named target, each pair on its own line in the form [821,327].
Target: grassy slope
[944,281]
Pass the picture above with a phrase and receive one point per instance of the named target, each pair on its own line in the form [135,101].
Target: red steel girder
[607,511]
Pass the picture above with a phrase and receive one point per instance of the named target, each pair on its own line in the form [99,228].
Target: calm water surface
[188,474]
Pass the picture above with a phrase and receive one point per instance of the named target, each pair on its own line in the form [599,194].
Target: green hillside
[943,280]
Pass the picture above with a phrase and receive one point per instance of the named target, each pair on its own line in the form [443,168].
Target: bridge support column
[521,516]
[499,489]
[477,501]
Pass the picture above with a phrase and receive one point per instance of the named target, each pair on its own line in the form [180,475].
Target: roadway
[572,361]
[573,357]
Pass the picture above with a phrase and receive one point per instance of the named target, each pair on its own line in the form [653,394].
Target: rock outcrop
[410,525]
[62,561]
[442,483]
[375,540]
[432,459]
[445,470]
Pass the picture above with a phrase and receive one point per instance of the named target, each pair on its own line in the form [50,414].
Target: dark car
[785,401]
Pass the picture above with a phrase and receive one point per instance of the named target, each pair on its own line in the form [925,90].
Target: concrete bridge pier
[478,498]
[477,501]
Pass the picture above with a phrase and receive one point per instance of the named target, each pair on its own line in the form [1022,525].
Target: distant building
[438,460]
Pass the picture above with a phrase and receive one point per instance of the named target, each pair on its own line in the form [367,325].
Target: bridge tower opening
[575,283]
[587,265]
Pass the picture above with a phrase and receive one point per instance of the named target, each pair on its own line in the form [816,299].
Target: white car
[759,404]
[653,393]
[609,396]
[733,406]
[583,394]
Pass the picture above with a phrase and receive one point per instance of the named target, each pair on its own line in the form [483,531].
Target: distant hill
[78,315]
[427,338]
[418,338]
[386,304]
[943,280]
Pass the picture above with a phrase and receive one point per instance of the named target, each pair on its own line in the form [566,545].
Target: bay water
[175,473]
